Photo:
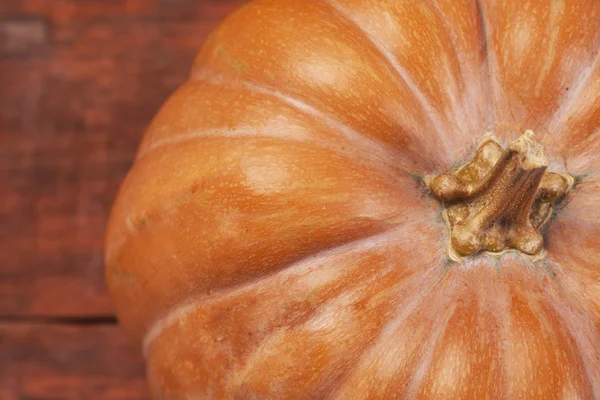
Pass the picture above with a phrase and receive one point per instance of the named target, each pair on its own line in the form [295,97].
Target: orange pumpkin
[342,203]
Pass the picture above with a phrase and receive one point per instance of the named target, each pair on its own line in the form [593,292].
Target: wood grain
[43,362]
[79,82]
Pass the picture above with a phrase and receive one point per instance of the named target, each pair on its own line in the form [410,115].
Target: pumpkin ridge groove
[156,327]
[500,310]
[434,278]
[553,34]
[398,70]
[561,114]
[226,133]
[462,90]
[308,318]
[370,146]
[333,393]
[183,196]
[431,346]
[571,320]
[484,38]
[452,38]
[220,132]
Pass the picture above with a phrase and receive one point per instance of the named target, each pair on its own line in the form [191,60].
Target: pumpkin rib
[336,135]
[470,48]
[574,260]
[493,70]
[561,114]
[115,245]
[324,234]
[430,281]
[564,122]
[334,393]
[354,293]
[502,317]
[574,264]
[204,134]
[550,55]
[365,352]
[582,339]
[485,40]
[452,38]
[426,358]
[364,142]
[227,319]
[399,71]
[237,133]
[491,65]
[536,346]
[186,307]
[584,164]
[369,145]
[231,317]
[378,101]
[465,347]
[497,89]
[540,53]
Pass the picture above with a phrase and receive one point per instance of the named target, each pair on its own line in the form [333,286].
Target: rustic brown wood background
[79,82]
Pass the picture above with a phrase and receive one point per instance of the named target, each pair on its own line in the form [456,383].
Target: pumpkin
[372,199]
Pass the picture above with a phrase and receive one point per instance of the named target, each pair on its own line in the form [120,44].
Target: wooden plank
[63,10]
[44,362]
[79,82]
[23,35]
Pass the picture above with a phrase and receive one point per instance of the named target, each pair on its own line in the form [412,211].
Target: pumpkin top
[500,200]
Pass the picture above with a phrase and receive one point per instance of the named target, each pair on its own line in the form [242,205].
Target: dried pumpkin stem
[500,199]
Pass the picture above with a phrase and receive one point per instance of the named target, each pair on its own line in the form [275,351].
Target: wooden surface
[79,82]
[68,361]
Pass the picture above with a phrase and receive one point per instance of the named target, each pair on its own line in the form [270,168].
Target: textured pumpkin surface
[275,240]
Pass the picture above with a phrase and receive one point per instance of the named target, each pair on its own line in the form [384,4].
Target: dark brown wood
[43,362]
[79,82]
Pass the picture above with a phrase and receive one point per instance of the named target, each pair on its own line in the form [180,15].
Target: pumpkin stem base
[501,198]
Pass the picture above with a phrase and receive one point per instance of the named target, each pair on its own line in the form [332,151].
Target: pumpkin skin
[274,238]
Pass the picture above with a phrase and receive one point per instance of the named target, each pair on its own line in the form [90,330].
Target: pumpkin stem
[500,199]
